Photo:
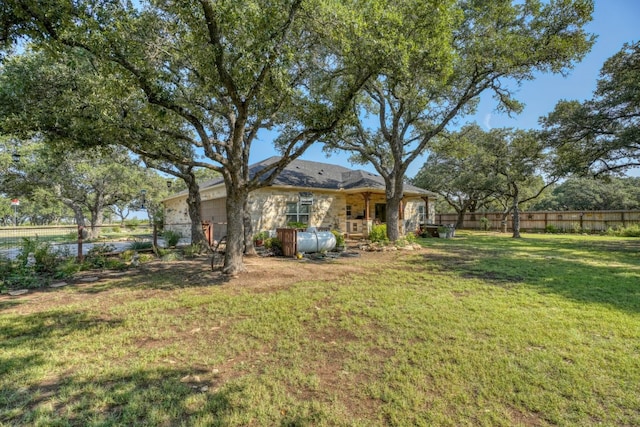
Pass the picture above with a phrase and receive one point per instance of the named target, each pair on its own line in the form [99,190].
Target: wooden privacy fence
[565,221]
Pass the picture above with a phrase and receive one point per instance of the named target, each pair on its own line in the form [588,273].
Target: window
[298,213]
[349,211]
[422,217]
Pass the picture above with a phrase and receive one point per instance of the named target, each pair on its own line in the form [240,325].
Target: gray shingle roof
[309,174]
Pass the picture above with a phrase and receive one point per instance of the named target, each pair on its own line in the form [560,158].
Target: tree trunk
[516,215]
[95,216]
[460,218]
[249,248]
[236,202]
[194,206]
[394,190]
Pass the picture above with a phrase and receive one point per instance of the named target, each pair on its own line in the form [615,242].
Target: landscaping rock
[17,292]
[58,284]
[89,279]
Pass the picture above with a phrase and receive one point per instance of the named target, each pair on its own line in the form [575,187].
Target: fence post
[80,233]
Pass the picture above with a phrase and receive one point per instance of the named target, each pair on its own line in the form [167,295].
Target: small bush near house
[298,225]
[339,238]
[379,234]
[171,237]
[410,238]
[274,245]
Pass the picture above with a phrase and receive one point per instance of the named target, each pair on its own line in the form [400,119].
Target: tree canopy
[506,167]
[589,194]
[493,47]
[602,134]
[213,75]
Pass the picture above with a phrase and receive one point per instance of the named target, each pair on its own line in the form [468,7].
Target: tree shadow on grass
[7,304]
[25,339]
[550,269]
[161,276]
[154,396]
[35,390]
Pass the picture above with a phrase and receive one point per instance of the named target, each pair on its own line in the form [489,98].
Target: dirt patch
[263,274]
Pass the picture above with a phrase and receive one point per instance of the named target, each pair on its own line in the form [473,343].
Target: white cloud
[487,120]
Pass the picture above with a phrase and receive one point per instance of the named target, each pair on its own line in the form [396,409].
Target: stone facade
[268,208]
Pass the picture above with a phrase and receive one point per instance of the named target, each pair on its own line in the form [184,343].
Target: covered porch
[368,208]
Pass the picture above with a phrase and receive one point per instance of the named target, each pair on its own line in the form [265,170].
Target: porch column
[367,221]
[426,209]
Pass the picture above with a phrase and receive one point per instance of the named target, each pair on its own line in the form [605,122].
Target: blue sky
[615,22]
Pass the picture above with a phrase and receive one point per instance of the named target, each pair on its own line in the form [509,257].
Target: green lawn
[477,330]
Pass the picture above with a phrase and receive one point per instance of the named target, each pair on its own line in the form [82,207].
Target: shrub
[170,256]
[339,237]
[97,255]
[46,258]
[379,234]
[132,223]
[139,245]
[550,228]
[171,237]
[263,235]
[485,224]
[410,238]
[115,264]
[127,255]
[191,251]
[295,224]
[146,257]
[274,245]
[66,268]
[116,229]
[631,231]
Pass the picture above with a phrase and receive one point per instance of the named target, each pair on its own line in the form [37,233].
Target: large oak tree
[221,72]
[496,45]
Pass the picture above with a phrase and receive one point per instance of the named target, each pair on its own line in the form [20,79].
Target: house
[318,194]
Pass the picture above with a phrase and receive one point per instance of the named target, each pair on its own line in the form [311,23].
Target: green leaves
[601,135]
